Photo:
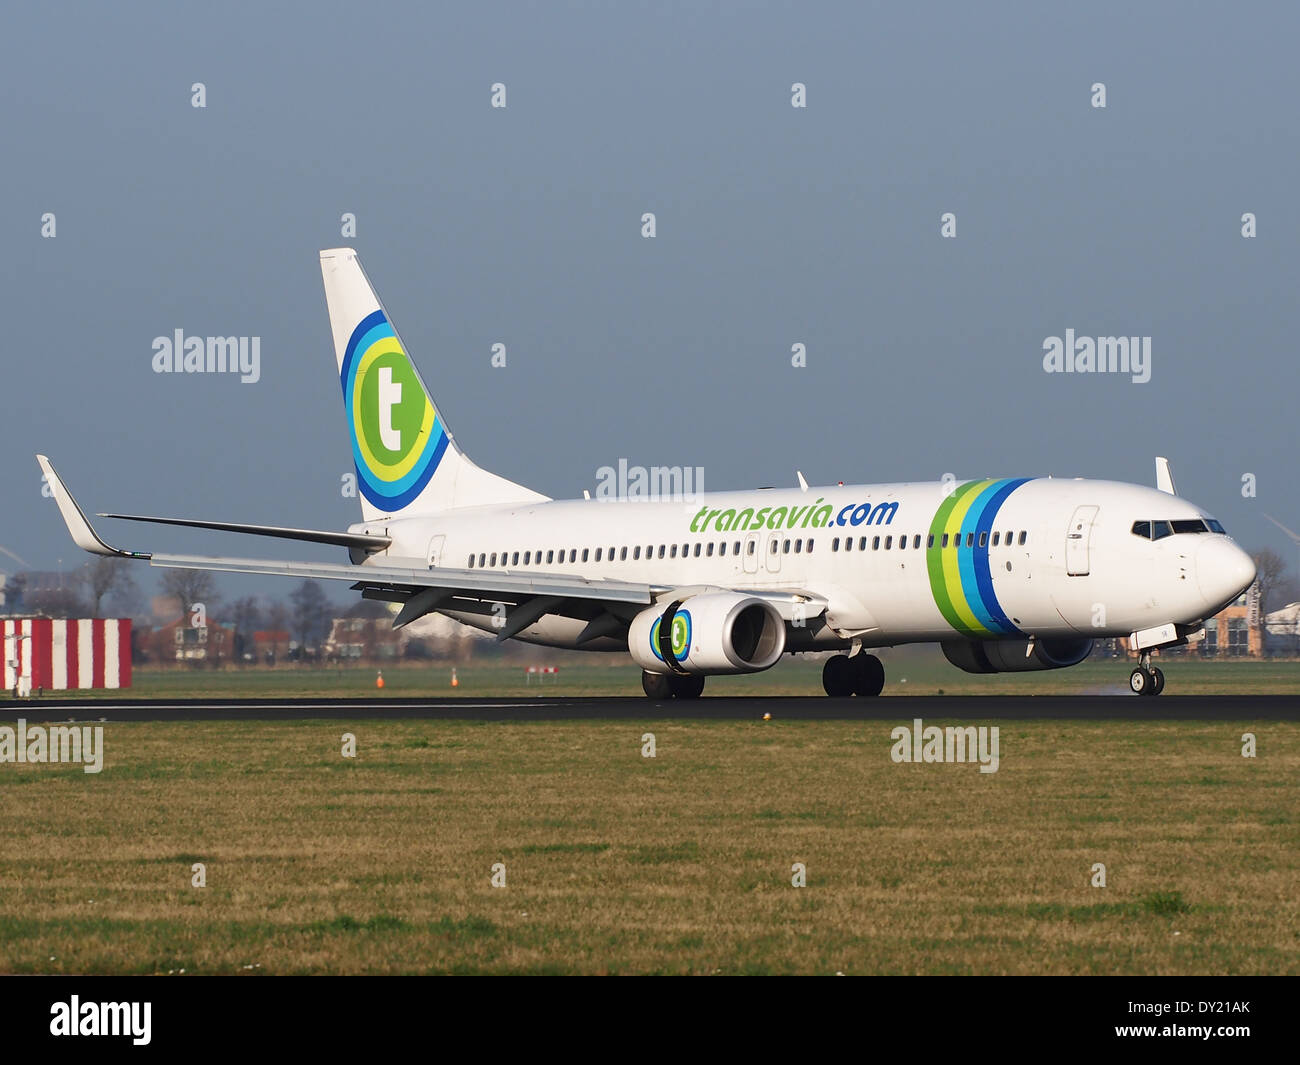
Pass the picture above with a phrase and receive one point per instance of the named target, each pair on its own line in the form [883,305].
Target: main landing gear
[671,686]
[1146,679]
[860,675]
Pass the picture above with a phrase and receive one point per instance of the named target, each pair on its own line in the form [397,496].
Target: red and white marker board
[56,653]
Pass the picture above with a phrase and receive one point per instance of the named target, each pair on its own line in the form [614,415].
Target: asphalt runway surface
[885,708]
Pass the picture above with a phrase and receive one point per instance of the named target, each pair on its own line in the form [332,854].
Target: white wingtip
[83,535]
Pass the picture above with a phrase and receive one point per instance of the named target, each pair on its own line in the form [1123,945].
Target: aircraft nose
[1223,571]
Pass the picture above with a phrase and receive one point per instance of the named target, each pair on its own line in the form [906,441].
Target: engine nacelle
[1009,656]
[712,633]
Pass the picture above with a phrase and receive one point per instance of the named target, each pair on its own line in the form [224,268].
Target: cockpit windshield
[1158,530]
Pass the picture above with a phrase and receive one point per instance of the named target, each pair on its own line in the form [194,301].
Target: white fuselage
[1037,557]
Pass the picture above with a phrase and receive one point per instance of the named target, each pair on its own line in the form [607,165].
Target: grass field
[676,864]
[910,673]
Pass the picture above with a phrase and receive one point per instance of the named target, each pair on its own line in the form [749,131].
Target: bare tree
[1269,573]
[246,613]
[311,613]
[108,575]
[190,586]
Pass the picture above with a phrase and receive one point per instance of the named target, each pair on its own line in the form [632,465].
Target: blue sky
[775,226]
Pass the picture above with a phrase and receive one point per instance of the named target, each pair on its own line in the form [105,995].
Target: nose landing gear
[1146,679]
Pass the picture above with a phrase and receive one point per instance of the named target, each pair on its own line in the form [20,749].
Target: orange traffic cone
[379,680]
[454,682]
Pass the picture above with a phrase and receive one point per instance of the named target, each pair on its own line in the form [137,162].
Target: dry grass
[617,863]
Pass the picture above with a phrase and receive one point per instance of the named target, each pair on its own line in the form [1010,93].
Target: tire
[1139,682]
[868,675]
[691,687]
[1159,685]
[838,676]
[657,685]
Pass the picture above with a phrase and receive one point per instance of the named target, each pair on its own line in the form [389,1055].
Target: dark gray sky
[522,226]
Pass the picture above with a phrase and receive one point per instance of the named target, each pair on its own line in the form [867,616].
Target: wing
[606,605]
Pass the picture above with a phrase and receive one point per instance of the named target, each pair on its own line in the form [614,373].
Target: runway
[897,708]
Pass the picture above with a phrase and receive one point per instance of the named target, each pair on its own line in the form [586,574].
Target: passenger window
[584,553]
[697,550]
[798,546]
[661,550]
[970,539]
[862,542]
[810,546]
[493,562]
[708,553]
[751,546]
[550,557]
[471,561]
[984,539]
[598,550]
[787,547]
[945,540]
[848,543]
[916,542]
[527,557]
[835,544]
[875,544]
[673,551]
[929,541]
[771,548]
[996,538]
[636,553]
[902,543]
[889,542]
[1023,536]
[622,554]
[735,548]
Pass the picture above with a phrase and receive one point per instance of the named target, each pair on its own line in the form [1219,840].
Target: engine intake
[1010,656]
[708,634]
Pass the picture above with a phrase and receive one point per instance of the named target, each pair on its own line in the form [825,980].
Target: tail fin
[407,462]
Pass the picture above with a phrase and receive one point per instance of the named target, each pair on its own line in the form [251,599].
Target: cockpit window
[1158,530]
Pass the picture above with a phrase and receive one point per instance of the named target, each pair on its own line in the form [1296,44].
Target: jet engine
[714,633]
[1014,656]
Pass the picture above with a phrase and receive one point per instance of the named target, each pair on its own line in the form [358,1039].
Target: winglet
[1165,477]
[83,535]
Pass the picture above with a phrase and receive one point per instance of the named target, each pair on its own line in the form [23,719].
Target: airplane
[1005,574]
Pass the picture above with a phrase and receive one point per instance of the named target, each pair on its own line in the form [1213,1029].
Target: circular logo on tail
[397,437]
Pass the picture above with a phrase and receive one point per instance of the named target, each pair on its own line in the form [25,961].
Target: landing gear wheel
[868,675]
[657,685]
[838,676]
[690,687]
[1139,681]
[1159,682]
